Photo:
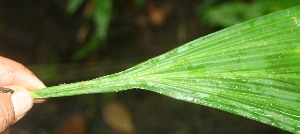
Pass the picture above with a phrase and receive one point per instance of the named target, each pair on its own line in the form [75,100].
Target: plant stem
[109,83]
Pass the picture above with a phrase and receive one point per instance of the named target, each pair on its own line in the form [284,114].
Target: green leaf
[91,45]
[74,5]
[234,12]
[251,69]
[101,17]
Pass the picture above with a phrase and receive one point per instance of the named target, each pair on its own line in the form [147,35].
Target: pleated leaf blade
[250,69]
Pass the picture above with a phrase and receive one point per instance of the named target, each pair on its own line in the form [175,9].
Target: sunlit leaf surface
[251,69]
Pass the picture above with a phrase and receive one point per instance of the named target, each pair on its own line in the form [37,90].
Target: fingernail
[22,102]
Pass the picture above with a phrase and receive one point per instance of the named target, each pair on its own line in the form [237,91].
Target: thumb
[7,114]
[13,106]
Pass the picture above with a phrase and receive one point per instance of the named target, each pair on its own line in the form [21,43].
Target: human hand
[14,104]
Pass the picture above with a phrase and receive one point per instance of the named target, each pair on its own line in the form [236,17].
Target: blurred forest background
[75,40]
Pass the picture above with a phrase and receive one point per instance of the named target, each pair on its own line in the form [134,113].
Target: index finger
[14,73]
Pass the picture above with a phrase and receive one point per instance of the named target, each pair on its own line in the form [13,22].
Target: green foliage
[230,13]
[250,69]
[74,5]
[101,17]
[139,3]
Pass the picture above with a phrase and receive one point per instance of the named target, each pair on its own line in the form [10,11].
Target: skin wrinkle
[13,77]
[3,120]
[4,113]
[7,113]
[5,75]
